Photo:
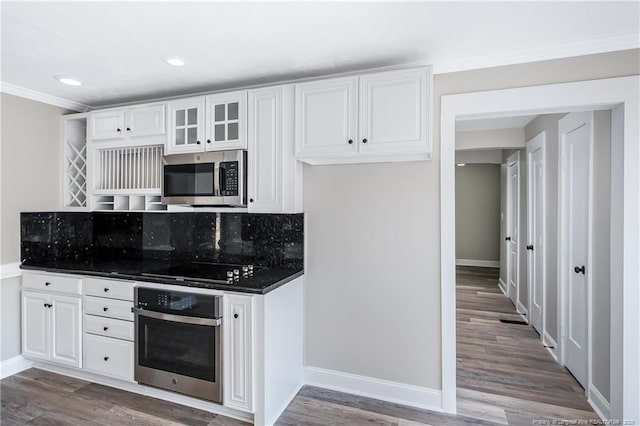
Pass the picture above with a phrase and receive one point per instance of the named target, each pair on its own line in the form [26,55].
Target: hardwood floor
[505,376]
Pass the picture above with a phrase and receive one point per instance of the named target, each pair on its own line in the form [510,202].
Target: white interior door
[536,230]
[513,214]
[575,136]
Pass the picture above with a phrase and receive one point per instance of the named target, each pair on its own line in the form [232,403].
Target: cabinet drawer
[110,357]
[52,283]
[109,327]
[111,289]
[110,308]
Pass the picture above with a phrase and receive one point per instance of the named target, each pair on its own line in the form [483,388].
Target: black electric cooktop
[205,271]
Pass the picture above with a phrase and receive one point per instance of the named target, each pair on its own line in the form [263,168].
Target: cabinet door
[393,112]
[35,325]
[106,125]
[66,330]
[265,150]
[227,121]
[146,121]
[238,359]
[186,122]
[326,117]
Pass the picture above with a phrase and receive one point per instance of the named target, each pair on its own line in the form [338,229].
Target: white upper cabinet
[106,125]
[186,126]
[370,118]
[140,121]
[145,120]
[274,175]
[226,121]
[326,113]
[393,112]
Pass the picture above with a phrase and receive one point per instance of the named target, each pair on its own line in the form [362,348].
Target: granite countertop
[262,281]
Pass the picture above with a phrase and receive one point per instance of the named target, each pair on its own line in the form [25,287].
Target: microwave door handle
[223,183]
[216,179]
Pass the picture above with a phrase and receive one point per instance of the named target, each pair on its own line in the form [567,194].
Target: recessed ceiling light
[68,80]
[176,62]
[461,164]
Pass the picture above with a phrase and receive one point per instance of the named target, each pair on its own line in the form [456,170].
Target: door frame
[538,142]
[564,268]
[619,94]
[514,161]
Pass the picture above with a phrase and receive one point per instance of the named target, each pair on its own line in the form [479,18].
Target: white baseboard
[502,286]
[600,405]
[521,309]
[398,393]
[13,366]
[10,270]
[146,390]
[479,263]
[547,340]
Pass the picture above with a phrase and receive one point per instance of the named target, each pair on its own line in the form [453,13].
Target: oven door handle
[214,322]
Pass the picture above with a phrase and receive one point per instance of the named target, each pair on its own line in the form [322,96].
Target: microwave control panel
[229,178]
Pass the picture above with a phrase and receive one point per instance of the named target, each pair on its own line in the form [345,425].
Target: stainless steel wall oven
[178,342]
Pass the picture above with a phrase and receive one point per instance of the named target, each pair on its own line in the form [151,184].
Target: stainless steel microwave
[206,179]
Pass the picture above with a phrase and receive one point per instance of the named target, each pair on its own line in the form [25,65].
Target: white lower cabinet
[238,352]
[109,330]
[109,357]
[51,328]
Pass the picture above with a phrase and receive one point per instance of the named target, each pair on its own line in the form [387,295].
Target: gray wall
[478,212]
[10,317]
[30,166]
[374,241]
[601,267]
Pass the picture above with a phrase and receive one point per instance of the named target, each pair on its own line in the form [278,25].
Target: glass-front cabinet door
[227,121]
[186,121]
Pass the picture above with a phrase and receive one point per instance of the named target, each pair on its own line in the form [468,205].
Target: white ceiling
[518,122]
[117,48]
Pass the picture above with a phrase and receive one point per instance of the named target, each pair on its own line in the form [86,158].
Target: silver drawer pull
[215,322]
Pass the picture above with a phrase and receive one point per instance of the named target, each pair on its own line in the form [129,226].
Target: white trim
[599,403]
[34,95]
[479,263]
[503,286]
[550,345]
[522,310]
[545,53]
[553,98]
[398,393]
[14,365]
[10,270]
[146,390]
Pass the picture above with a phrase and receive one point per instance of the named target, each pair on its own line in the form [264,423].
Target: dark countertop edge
[187,284]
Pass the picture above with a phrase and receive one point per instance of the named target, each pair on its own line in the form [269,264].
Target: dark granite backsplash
[261,239]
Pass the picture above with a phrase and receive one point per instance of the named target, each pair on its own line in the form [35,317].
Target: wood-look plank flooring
[505,366]
[505,377]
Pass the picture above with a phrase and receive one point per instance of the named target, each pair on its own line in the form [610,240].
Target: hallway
[504,374]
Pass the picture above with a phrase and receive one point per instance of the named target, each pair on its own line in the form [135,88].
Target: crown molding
[23,92]
[543,53]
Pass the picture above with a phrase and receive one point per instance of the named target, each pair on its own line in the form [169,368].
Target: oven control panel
[179,303]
